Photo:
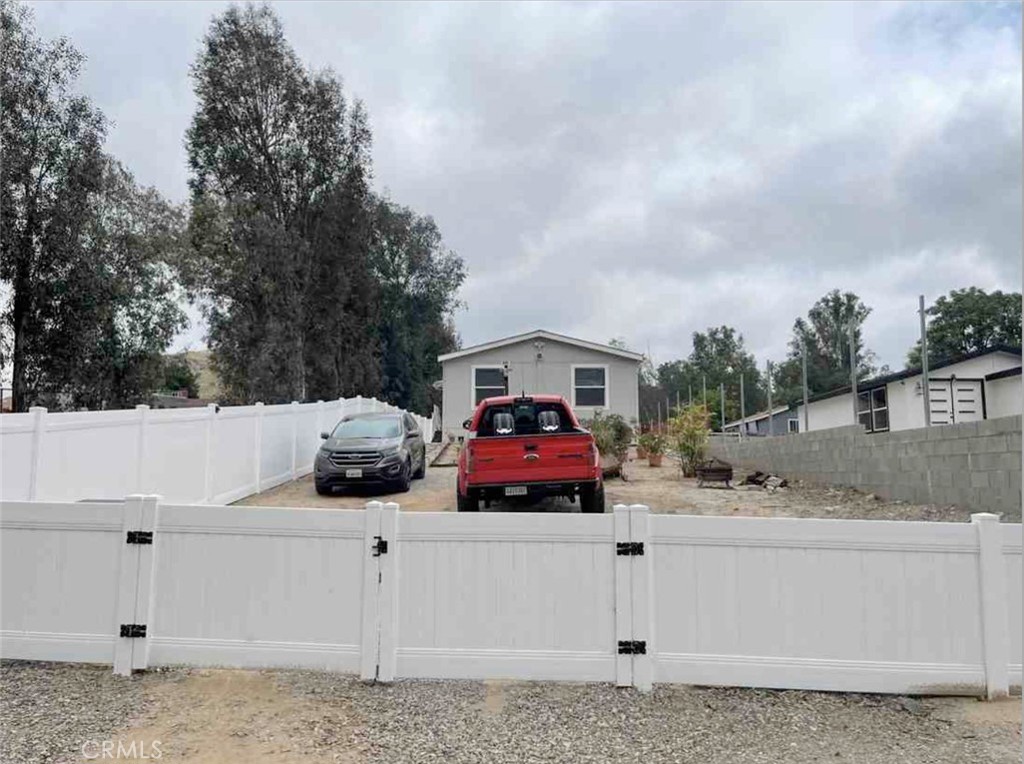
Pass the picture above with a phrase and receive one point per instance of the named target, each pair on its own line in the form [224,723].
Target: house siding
[550,374]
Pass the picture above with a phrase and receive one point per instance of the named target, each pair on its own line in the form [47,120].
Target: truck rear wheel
[592,499]
[466,503]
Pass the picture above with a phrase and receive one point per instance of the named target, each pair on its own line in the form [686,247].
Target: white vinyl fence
[212,455]
[625,597]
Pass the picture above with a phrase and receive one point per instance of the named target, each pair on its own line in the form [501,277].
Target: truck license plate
[515,490]
[353,473]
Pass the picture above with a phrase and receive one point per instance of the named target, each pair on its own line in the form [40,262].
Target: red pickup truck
[528,446]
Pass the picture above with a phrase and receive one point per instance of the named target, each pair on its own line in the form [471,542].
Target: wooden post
[803,363]
[853,374]
[995,622]
[743,408]
[771,416]
[38,432]
[924,364]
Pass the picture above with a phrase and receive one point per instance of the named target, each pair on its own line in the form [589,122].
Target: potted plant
[653,443]
[641,451]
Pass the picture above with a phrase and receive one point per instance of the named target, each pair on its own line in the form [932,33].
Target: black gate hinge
[140,537]
[632,647]
[132,630]
[629,548]
[380,547]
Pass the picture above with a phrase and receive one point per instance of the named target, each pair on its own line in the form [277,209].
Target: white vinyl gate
[625,597]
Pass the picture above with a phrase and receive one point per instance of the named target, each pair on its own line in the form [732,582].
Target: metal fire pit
[714,471]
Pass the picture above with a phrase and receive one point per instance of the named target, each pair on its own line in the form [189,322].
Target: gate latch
[632,647]
[380,547]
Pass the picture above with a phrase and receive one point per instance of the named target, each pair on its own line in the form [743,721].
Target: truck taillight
[592,450]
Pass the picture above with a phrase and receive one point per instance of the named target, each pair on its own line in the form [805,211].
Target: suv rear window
[526,418]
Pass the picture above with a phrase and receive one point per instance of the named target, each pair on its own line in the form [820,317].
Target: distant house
[781,420]
[967,388]
[591,376]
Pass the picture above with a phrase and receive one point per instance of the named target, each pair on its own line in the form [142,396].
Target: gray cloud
[647,170]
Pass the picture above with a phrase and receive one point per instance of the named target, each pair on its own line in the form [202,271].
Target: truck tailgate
[514,459]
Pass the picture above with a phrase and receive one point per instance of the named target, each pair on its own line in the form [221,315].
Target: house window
[873,410]
[794,425]
[590,386]
[488,381]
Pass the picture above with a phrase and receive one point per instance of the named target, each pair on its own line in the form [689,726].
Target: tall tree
[92,304]
[825,332]
[719,357]
[970,320]
[418,279]
[280,167]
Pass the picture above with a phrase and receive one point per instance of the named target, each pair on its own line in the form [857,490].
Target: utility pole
[659,415]
[853,373]
[677,402]
[743,408]
[771,419]
[924,364]
[721,396]
[704,384]
[691,396]
[803,358]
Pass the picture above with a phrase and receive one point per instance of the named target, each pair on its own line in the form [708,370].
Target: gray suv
[385,450]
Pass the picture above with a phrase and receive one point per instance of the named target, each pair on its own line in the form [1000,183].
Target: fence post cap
[37,409]
[141,406]
[374,504]
[259,403]
[984,517]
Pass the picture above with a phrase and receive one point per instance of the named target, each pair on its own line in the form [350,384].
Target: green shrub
[689,431]
[612,435]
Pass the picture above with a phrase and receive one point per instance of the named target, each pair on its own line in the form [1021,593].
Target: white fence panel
[308,437]
[258,587]
[1015,598]
[16,436]
[276,443]
[233,454]
[506,595]
[212,455]
[58,580]
[174,462]
[77,450]
[817,604]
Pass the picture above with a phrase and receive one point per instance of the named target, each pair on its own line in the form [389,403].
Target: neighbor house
[967,388]
[591,376]
[781,420]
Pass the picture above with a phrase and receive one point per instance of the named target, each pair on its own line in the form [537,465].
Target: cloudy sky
[645,171]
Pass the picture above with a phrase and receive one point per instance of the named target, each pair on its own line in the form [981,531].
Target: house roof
[541,334]
[885,379]
[757,417]
[1015,372]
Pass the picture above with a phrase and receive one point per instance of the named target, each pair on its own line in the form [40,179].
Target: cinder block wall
[976,465]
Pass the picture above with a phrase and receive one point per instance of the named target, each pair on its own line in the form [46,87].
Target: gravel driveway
[287,717]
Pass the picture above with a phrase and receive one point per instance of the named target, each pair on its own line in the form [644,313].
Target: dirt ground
[663,489]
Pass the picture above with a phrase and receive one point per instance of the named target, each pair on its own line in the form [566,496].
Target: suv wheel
[404,479]
[421,471]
